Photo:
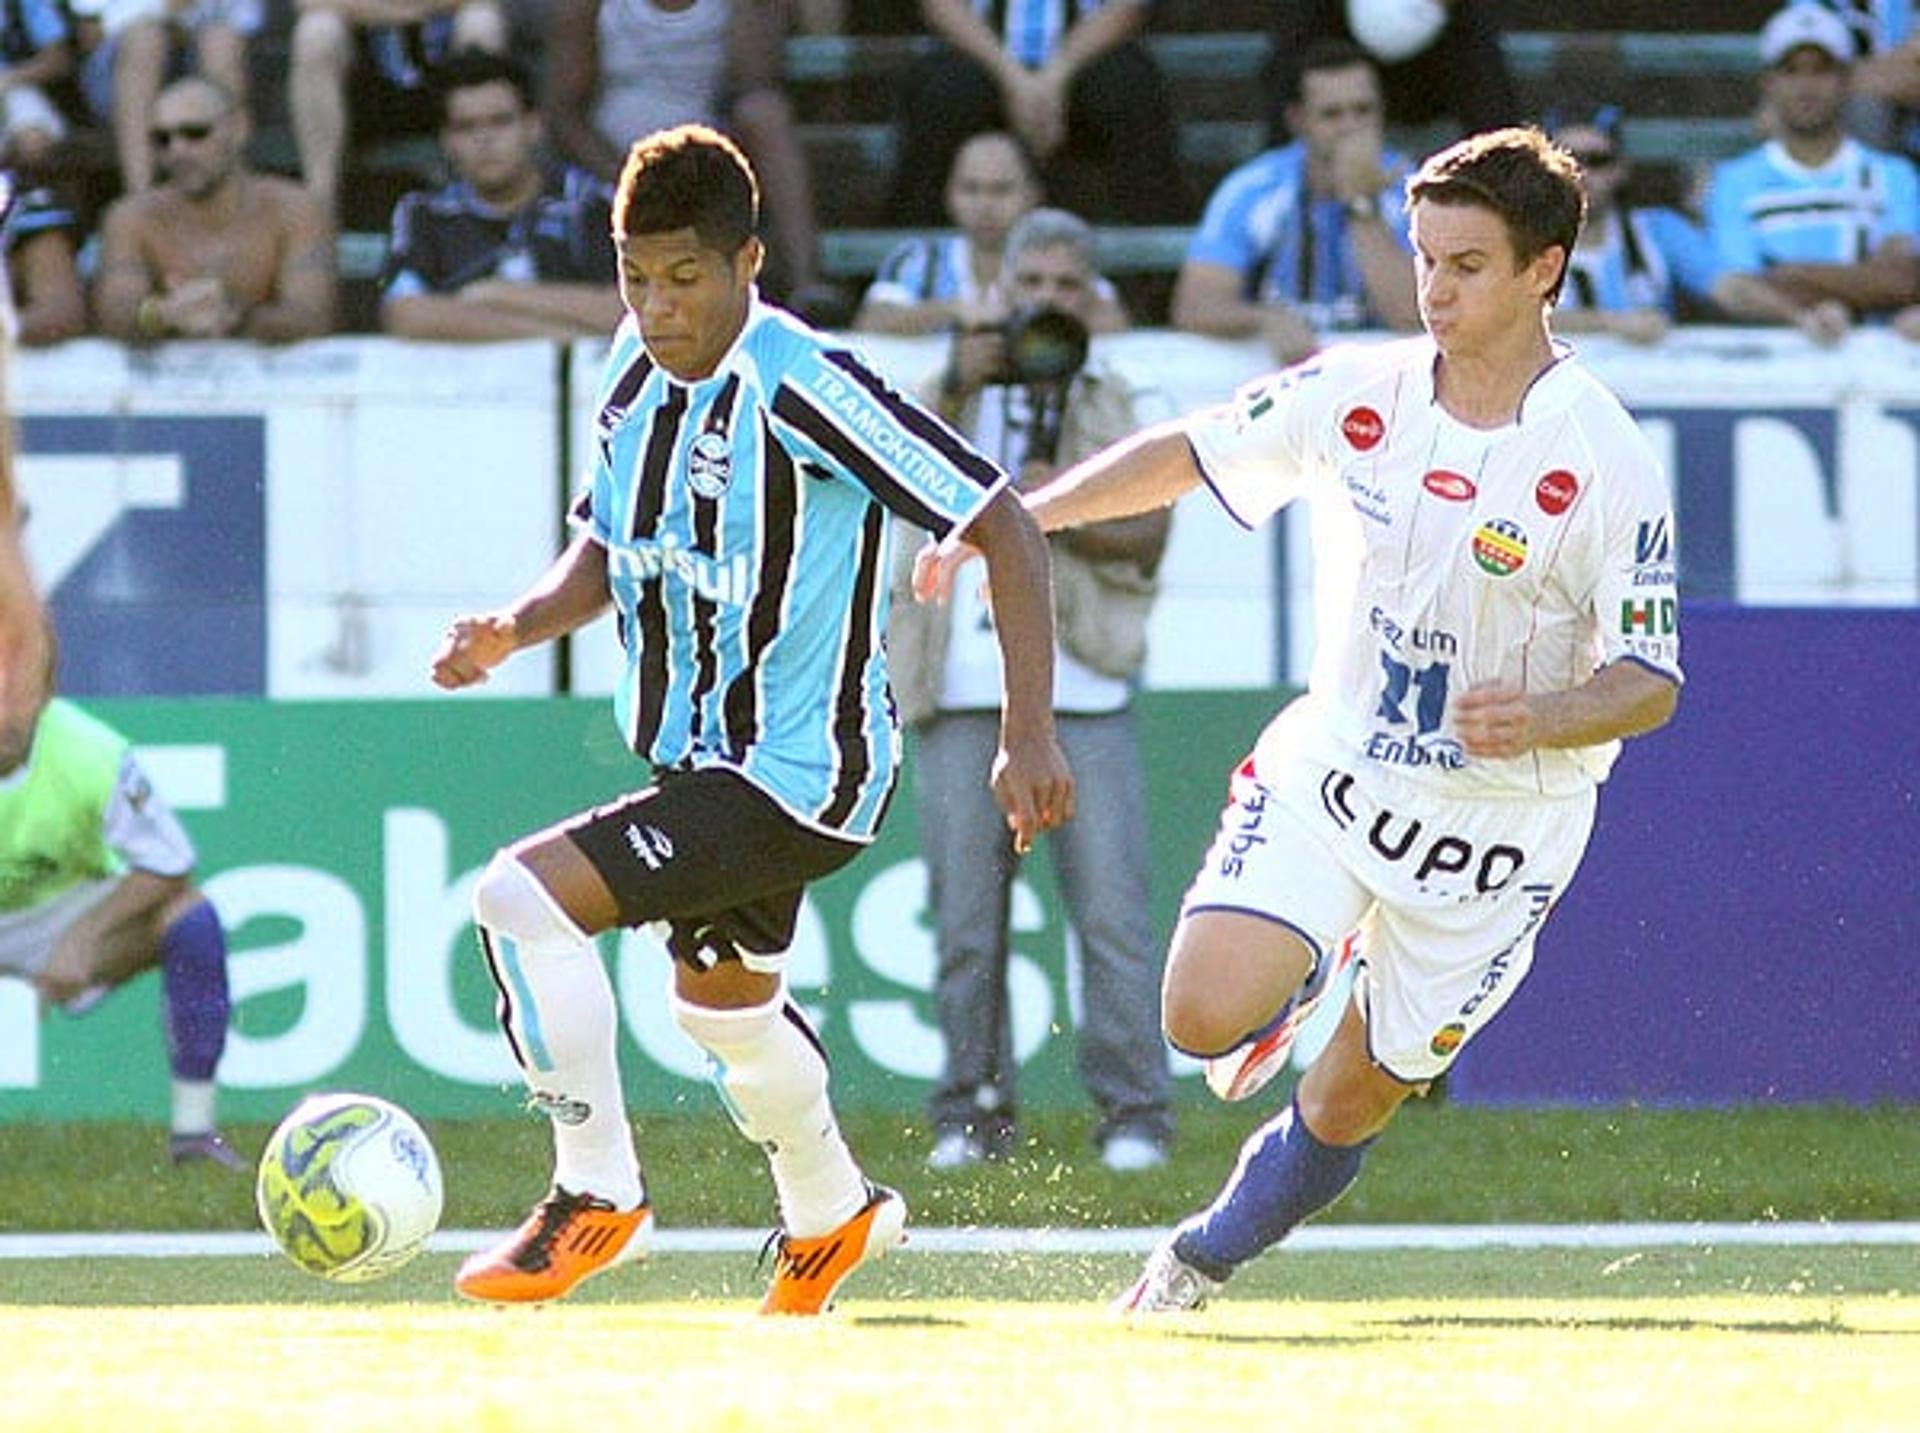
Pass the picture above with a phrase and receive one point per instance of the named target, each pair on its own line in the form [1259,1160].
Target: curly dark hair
[688,177]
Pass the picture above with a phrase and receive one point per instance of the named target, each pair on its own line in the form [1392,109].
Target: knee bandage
[509,901]
[765,1061]
[555,1001]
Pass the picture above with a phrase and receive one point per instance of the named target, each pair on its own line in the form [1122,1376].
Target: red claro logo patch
[1556,491]
[1454,487]
[1363,428]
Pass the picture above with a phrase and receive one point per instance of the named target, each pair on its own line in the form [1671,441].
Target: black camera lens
[1045,345]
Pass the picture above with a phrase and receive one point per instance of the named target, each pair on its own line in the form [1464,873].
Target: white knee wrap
[509,900]
[764,1062]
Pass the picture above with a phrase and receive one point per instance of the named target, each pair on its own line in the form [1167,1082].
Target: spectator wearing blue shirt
[1634,263]
[925,284]
[1884,102]
[947,280]
[1310,237]
[1826,221]
[510,249]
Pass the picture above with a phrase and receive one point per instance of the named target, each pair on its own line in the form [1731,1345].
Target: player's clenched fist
[472,647]
[1494,721]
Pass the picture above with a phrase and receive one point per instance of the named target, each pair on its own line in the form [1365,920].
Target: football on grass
[349,1187]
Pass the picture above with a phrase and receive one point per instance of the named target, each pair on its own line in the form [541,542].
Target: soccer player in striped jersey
[738,525]
[1497,608]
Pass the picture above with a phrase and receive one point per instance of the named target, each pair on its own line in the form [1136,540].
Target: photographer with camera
[1019,382]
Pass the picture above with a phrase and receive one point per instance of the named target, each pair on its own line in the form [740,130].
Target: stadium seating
[1685,70]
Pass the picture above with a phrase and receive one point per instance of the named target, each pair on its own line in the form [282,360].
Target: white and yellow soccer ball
[349,1187]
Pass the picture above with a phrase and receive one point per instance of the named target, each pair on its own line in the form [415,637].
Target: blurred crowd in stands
[151,205]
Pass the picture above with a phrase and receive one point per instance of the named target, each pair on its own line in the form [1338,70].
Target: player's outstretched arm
[1143,473]
[571,594]
[1148,471]
[1030,777]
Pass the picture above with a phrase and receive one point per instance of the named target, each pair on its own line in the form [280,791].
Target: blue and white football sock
[558,1011]
[1285,1176]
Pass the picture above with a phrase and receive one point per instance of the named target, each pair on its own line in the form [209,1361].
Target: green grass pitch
[1640,1339]
[1753,1339]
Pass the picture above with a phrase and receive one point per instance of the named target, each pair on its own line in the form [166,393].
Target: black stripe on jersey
[791,407]
[779,524]
[720,413]
[916,420]
[625,387]
[613,412]
[706,539]
[850,709]
[650,497]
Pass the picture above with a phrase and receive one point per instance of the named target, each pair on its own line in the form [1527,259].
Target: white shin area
[563,1022]
[771,1075]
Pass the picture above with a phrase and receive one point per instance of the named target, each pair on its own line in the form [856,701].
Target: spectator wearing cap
[1884,108]
[1823,221]
[1439,60]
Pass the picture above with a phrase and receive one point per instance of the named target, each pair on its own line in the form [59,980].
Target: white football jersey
[1448,557]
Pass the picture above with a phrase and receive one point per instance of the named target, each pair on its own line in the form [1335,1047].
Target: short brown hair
[1534,185]
[688,177]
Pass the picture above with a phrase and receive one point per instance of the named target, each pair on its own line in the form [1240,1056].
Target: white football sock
[193,1106]
[558,1009]
[772,1076]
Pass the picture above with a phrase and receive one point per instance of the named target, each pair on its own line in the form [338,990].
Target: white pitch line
[1348,1238]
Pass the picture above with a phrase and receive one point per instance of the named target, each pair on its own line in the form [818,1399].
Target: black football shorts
[715,858]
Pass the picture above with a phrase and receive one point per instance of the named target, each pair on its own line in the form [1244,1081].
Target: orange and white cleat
[567,1238]
[807,1272]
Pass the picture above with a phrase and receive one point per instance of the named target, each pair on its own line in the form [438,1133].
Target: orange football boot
[567,1238]
[807,1272]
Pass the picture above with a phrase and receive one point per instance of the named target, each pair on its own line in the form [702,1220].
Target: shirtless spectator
[130,48]
[214,250]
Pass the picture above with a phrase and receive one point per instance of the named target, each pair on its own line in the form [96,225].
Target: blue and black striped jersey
[745,519]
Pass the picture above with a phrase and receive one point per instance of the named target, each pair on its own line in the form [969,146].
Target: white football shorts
[1445,897]
[27,937]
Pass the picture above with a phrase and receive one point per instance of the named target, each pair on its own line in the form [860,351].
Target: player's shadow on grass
[906,1321]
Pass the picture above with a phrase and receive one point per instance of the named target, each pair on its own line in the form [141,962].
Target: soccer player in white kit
[1495,588]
